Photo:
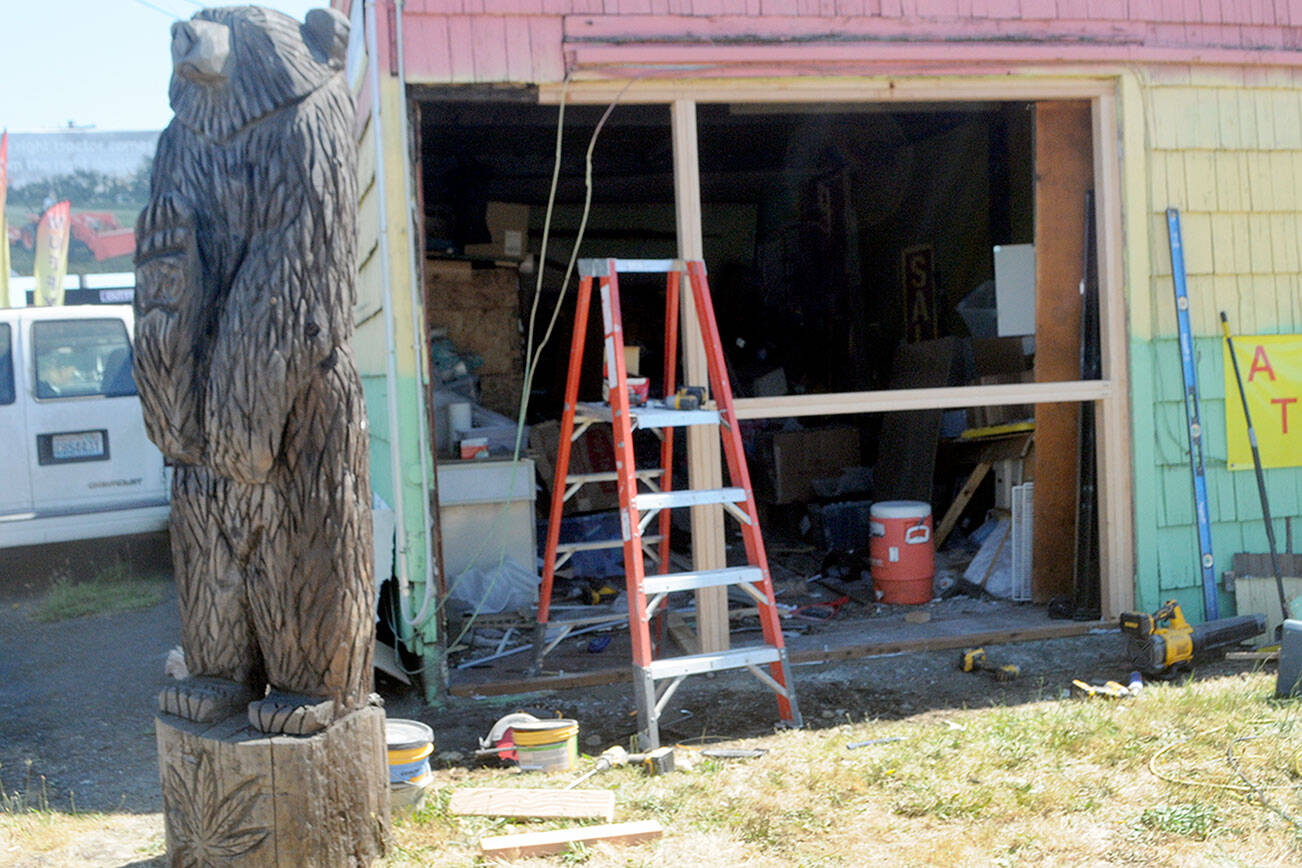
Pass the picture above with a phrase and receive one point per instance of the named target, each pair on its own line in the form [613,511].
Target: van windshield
[82,357]
[6,366]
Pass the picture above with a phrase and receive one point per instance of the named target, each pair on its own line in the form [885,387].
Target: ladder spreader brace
[640,506]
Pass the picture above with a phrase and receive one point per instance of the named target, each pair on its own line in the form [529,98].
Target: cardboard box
[509,225]
[594,452]
[474,447]
[791,460]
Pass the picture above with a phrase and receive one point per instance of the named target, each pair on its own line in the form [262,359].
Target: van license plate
[86,444]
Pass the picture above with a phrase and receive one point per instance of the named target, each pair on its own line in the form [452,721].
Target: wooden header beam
[894,400]
[849,88]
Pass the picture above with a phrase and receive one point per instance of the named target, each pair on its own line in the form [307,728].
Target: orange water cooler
[901,551]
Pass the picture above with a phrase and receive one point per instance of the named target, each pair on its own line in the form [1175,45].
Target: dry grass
[1142,781]
[33,831]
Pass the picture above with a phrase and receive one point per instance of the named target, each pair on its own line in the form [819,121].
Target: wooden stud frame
[1109,394]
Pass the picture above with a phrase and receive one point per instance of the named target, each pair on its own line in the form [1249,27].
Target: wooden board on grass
[559,840]
[508,802]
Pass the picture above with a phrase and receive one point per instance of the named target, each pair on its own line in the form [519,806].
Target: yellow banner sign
[52,254]
[1271,367]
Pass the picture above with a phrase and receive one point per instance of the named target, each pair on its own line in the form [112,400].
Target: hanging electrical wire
[532,355]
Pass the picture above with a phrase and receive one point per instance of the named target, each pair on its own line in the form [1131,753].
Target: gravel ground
[77,700]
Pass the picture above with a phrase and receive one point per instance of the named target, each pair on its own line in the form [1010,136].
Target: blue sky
[100,62]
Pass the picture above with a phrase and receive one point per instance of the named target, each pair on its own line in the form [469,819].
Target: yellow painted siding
[1229,156]
[392,107]
[369,289]
[1140,175]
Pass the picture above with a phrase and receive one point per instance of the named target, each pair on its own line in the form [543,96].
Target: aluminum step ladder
[645,495]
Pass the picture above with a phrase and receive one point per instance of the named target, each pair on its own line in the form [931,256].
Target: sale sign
[1271,367]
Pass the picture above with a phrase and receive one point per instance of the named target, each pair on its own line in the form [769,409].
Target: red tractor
[100,231]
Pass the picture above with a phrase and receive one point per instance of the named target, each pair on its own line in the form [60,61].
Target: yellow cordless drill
[1163,643]
[974,659]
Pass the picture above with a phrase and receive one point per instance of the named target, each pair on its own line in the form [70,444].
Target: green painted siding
[1166,537]
[1225,147]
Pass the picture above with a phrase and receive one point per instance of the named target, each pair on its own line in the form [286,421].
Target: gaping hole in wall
[849,247]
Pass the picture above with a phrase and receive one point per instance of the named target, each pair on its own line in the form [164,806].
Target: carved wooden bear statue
[245,284]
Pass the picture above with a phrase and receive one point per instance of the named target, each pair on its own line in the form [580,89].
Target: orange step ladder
[639,506]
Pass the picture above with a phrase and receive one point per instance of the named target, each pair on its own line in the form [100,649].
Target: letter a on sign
[1273,387]
[919,277]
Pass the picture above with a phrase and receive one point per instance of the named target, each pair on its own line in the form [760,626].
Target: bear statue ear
[326,33]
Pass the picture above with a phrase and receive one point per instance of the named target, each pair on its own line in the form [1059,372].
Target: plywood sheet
[1260,594]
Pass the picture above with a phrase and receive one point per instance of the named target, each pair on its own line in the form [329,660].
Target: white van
[74,459]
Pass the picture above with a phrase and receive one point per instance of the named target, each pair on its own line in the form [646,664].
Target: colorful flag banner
[1271,366]
[4,226]
[52,253]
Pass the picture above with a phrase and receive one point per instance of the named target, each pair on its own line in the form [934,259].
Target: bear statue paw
[291,713]
[204,700]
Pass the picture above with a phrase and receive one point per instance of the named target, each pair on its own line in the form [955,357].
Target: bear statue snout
[201,50]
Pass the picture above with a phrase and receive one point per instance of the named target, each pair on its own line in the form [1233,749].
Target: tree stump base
[235,796]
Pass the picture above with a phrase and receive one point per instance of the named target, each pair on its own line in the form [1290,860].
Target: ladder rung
[595,545]
[652,414]
[611,476]
[688,497]
[601,267]
[700,579]
[713,661]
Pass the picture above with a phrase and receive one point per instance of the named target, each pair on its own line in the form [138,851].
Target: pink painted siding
[532,41]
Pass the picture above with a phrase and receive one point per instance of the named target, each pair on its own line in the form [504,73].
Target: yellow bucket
[547,745]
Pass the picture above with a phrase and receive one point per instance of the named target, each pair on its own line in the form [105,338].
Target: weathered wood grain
[233,796]
[245,287]
[246,282]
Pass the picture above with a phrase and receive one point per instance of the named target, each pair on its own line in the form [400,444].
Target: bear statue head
[234,65]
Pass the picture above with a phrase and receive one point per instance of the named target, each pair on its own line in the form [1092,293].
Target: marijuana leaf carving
[207,828]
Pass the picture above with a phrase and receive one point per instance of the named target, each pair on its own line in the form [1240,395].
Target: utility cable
[1258,791]
[169,13]
[1247,787]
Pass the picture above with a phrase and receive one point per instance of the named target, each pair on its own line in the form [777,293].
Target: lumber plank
[817,89]
[547,804]
[558,840]
[960,503]
[1064,171]
[1115,480]
[940,643]
[681,632]
[1265,656]
[890,400]
[704,450]
[594,678]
